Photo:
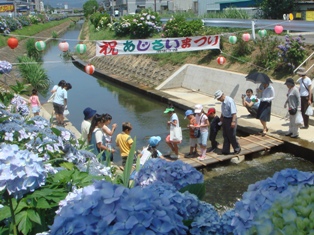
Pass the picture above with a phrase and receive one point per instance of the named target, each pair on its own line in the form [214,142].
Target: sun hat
[210,111]
[169,110]
[289,81]
[188,112]
[89,113]
[218,94]
[198,108]
[154,141]
[301,71]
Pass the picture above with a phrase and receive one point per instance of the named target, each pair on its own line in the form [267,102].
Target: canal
[225,183]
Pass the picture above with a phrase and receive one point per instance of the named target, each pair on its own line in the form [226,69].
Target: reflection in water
[226,184]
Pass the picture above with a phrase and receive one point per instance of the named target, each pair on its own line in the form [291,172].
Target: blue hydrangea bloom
[105,208]
[261,195]
[176,173]
[20,170]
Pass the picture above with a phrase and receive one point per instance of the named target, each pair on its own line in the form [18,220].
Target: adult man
[89,113]
[229,123]
[251,102]
[294,103]
[305,93]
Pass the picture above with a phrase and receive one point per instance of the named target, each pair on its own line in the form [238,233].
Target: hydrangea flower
[105,208]
[207,221]
[5,67]
[261,196]
[20,170]
[176,173]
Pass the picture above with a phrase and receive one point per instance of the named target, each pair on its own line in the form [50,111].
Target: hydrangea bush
[177,173]
[141,25]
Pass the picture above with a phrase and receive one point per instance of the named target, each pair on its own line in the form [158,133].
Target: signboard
[6,7]
[156,46]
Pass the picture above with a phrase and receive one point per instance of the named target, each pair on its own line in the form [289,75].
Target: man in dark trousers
[229,123]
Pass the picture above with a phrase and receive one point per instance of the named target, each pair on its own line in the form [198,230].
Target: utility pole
[155,5]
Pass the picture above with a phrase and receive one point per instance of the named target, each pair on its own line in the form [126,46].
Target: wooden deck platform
[249,144]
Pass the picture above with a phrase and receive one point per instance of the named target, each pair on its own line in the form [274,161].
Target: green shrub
[178,26]
[95,18]
[33,73]
[268,56]
[240,50]
[31,50]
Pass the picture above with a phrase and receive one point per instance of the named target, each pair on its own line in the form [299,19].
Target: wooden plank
[264,139]
[256,143]
[277,140]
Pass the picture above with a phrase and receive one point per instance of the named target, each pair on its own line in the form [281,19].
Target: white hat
[218,94]
[198,108]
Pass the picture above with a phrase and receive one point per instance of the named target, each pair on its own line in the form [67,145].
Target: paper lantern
[233,39]
[80,48]
[262,33]
[64,46]
[246,37]
[89,69]
[40,45]
[12,42]
[278,29]
[221,60]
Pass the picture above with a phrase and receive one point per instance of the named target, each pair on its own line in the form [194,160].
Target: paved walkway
[278,126]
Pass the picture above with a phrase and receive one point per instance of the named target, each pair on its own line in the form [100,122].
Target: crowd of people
[203,126]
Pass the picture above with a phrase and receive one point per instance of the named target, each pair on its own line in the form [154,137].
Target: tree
[274,9]
[90,7]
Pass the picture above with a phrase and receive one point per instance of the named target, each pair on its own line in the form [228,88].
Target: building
[133,6]
[205,6]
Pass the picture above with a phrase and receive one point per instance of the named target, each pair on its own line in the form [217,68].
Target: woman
[264,109]
[96,137]
[294,105]
[202,123]
[172,123]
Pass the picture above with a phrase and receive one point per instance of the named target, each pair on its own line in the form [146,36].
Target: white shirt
[85,129]
[307,82]
[268,94]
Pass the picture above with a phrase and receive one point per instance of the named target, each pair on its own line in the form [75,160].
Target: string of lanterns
[90,69]
[246,37]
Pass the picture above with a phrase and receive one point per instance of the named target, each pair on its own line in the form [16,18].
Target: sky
[60,3]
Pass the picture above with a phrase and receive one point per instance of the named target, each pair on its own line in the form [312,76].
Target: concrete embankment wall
[207,80]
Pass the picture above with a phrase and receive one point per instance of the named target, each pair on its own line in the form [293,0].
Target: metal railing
[305,62]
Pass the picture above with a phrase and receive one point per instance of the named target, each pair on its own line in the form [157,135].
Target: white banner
[153,46]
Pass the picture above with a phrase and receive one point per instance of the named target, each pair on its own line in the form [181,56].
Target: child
[124,141]
[151,150]
[215,125]
[172,123]
[108,133]
[193,140]
[34,102]
[96,137]
[202,123]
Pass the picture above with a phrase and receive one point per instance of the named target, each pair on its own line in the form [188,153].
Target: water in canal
[225,183]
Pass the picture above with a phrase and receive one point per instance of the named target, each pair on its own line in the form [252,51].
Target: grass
[31,30]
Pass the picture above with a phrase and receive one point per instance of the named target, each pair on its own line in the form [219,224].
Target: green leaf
[196,189]
[34,216]
[128,165]
[67,165]
[42,203]
[5,213]
[23,222]
[56,131]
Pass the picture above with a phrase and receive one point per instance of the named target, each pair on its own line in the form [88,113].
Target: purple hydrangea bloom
[176,173]
[261,195]
[105,208]
[20,170]
[5,67]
